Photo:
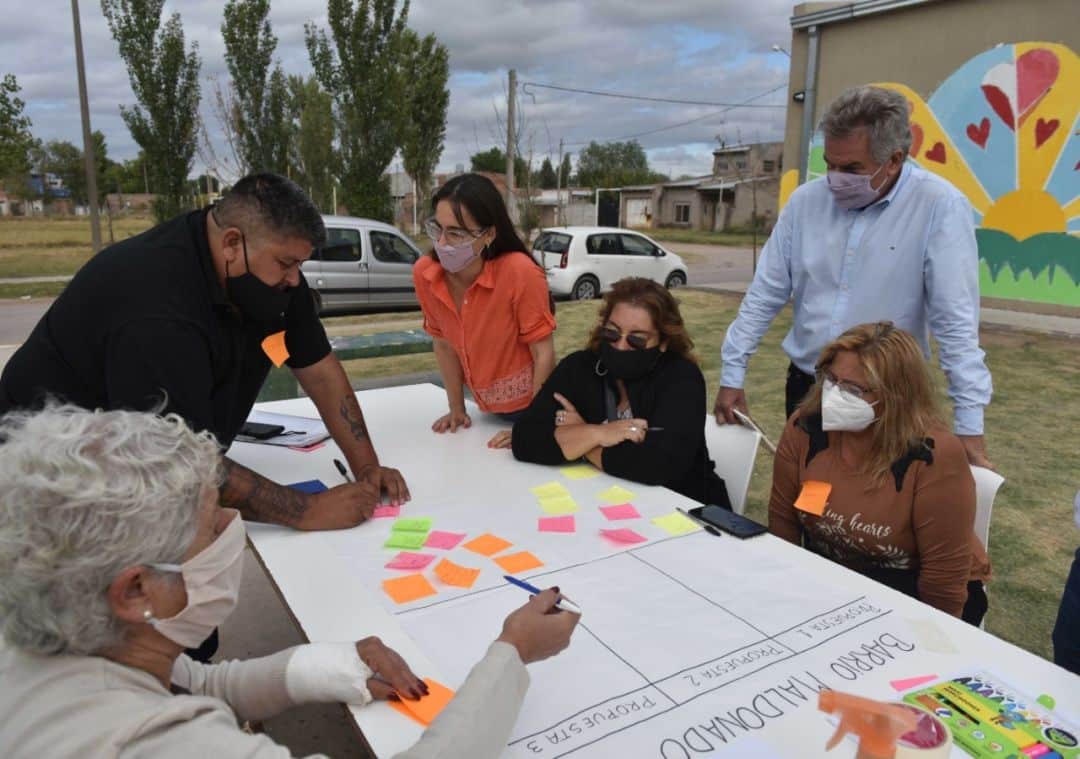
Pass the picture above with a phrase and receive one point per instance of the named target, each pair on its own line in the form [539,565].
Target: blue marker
[565,604]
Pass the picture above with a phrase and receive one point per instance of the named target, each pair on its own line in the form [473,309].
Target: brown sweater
[921,519]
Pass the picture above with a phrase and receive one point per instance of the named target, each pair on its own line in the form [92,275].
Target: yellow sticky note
[549,490]
[487,544]
[274,348]
[579,472]
[814,497]
[408,588]
[522,561]
[455,574]
[559,504]
[616,494]
[676,524]
[425,710]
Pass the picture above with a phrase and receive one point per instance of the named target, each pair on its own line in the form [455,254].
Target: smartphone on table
[729,521]
[260,431]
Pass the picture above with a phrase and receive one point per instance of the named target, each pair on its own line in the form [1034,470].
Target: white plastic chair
[733,448]
[987,483]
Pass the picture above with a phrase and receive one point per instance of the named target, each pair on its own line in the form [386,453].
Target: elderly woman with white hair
[115,556]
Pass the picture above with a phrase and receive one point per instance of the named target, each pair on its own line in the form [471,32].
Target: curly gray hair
[83,495]
[883,112]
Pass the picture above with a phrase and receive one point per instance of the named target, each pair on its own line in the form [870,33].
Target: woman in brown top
[868,475]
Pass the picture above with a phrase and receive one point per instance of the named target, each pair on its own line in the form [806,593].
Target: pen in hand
[341,468]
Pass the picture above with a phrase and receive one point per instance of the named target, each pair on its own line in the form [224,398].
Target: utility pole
[511,108]
[753,222]
[558,189]
[88,138]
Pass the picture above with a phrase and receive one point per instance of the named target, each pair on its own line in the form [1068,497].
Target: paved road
[18,317]
[714,264]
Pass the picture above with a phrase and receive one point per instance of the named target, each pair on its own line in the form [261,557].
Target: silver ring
[633,429]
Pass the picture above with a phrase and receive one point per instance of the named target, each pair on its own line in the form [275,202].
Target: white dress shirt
[910,258]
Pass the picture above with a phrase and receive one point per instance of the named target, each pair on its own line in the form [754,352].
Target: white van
[364,265]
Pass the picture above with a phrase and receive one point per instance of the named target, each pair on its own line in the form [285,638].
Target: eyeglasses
[845,387]
[639,341]
[454,235]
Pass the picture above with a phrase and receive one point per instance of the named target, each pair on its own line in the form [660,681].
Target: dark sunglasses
[635,340]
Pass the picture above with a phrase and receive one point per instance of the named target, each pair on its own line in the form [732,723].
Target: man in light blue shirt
[878,239]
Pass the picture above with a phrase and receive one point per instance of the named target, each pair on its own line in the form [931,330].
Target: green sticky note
[616,495]
[579,472]
[550,490]
[411,524]
[408,540]
[676,524]
[559,504]
[1047,701]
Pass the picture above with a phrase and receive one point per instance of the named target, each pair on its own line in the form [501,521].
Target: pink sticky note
[623,536]
[440,539]
[386,511]
[410,560]
[557,524]
[910,682]
[622,511]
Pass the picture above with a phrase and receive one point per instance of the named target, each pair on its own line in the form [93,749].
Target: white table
[685,643]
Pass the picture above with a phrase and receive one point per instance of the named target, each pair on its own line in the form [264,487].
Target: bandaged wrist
[323,672]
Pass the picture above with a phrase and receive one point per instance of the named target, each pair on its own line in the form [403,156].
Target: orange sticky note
[814,497]
[487,544]
[408,588]
[455,574]
[274,348]
[425,710]
[518,562]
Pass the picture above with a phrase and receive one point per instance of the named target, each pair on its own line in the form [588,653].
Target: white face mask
[212,580]
[841,412]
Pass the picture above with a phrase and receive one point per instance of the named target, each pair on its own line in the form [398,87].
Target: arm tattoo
[354,417]
[260,500]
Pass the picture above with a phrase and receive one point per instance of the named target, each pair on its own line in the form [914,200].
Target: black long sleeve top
[671,396]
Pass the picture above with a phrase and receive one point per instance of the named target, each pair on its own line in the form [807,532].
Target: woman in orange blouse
[486,305]
[900,500]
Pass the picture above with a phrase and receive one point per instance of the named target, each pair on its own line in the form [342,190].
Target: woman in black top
[632,402]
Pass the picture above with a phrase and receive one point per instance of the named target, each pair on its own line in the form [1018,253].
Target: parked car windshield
[552,242]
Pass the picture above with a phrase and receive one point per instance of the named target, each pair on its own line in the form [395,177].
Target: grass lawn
[1036,381]
[50,245]
[700,236]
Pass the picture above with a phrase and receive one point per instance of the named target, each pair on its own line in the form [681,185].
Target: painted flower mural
[1004,128]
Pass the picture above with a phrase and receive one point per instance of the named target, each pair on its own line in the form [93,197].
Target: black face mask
[629,364]
[255,299]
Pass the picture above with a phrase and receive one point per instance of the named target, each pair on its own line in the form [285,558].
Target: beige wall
[918,46]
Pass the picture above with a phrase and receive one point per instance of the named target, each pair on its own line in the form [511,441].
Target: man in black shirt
[178,315]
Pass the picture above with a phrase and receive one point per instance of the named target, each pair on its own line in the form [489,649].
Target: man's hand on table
[385,479]
[393,679]
[342,507]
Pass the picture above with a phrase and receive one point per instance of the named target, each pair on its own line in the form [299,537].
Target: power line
[623,96]
[744,104]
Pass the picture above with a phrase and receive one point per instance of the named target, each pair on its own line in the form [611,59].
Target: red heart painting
[936,153]
[916,140]
[1044,130]
[1036,72]
[979,134]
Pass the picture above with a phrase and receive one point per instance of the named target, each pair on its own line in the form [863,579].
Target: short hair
[662,307]
[882,112]
[899,376]
[270,204]
[84,495]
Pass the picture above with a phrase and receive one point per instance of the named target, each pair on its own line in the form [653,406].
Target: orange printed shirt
[504,311]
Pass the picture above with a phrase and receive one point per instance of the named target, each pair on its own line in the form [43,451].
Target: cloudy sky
[718,51]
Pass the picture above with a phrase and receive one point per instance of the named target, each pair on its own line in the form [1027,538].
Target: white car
[583,262]
[364,265]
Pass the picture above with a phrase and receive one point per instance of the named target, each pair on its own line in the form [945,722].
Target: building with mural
[994,88]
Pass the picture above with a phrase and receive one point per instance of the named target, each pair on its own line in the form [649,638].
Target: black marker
[707,527]
[341,468]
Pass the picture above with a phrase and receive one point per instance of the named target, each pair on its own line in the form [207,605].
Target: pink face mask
[852,191]
[212,581]
[454,258]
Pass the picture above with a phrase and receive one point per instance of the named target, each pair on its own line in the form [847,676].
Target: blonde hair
[900,379]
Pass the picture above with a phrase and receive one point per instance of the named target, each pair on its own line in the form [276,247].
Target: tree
[261,93]
[427,70]
[63,159]
[311,153]
[494,161]
[126,178]
[547,179]
[566,169]
[613,164]
[165,79]
[16,141]
[361,70]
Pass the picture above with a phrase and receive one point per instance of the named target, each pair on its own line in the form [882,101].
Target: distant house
[744,178]
[565,208]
